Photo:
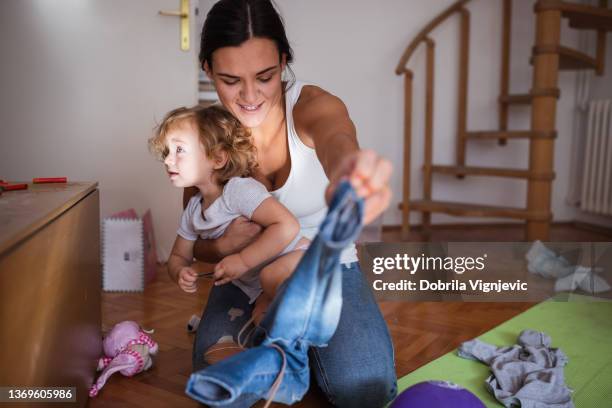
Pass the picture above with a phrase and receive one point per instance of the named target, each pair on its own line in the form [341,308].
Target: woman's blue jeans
[321,303]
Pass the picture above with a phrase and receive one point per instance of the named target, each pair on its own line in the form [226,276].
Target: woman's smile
[250,108]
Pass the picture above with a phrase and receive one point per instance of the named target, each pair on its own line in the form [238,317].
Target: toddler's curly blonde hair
[218,131]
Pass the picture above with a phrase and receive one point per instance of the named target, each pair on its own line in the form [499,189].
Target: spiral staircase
[548,58]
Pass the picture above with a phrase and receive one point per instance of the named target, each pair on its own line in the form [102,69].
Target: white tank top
[303,192]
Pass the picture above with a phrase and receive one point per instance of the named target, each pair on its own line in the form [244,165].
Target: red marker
[13,187]
[42,180]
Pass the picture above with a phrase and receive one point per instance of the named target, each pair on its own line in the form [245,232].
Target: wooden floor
[421,332]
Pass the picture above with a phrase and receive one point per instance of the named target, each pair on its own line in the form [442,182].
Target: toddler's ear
[220,159]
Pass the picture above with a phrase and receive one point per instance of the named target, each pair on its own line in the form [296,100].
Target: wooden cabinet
[50,287]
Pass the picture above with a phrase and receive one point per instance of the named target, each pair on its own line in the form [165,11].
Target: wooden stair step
[516,99]
[580,16]
[510,134]
[569,59]
[474,210]
[206,86]
[487,171]
[527,98]
[207,94]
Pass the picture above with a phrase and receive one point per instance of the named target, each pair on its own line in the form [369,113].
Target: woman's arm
[280,228]
[323,122]
[238,234]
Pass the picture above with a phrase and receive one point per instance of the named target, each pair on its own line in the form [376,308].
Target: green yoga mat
[582,329]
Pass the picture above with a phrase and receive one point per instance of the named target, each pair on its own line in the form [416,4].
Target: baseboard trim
[593,228]
[453,226]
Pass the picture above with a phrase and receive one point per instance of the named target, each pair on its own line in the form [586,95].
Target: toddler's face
[186,162]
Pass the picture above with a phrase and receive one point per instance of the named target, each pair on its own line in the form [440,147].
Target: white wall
[600,88]
[82,86]
[352,47]
[61,114]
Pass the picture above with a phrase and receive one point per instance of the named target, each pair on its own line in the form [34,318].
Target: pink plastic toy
[128,349]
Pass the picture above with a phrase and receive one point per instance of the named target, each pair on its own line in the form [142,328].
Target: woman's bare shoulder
[316,105]
[312,95]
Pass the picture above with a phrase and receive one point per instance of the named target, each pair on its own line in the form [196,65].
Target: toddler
[209,149]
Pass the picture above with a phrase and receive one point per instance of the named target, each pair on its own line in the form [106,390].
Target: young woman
[306,143]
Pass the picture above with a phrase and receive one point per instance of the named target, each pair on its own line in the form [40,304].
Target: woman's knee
[357,368]
[369,388]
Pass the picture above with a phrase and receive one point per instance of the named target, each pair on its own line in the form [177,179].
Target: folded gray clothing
[542,261]
[528,375]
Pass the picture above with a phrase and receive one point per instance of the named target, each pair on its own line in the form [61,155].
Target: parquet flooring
[421,331]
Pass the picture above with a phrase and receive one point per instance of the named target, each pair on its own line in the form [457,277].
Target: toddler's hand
[231,267]
[187,278]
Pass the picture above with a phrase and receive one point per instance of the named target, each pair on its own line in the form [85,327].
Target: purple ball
[436,394]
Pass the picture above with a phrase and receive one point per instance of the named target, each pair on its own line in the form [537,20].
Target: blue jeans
[356,369]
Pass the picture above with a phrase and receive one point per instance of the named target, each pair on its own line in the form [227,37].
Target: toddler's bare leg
[271,277]
[261,305]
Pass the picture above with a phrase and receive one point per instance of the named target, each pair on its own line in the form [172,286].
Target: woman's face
[248,79]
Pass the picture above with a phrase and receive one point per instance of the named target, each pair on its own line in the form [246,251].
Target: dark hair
[230,23]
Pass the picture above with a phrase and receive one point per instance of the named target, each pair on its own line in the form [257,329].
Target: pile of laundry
[544,262]
[527,375]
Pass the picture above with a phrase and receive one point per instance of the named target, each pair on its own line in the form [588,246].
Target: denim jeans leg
[305,312]
[357,367]
[221,317]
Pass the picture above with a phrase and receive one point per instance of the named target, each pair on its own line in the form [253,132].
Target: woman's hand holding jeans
[369,175]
